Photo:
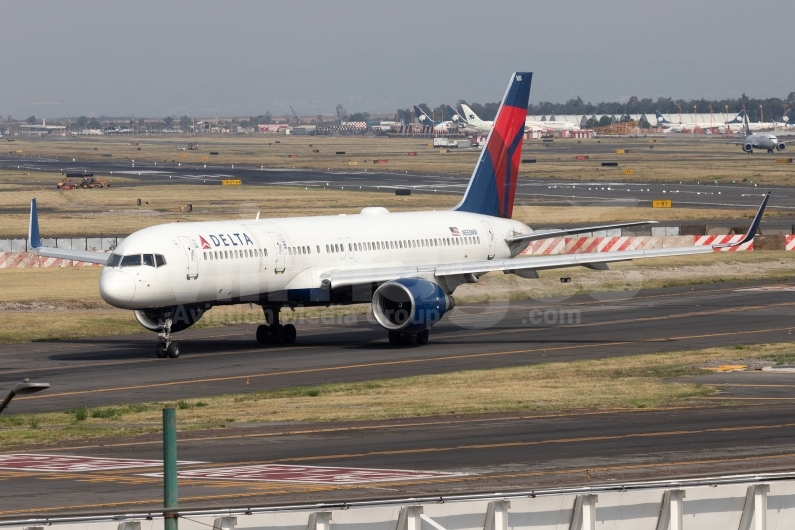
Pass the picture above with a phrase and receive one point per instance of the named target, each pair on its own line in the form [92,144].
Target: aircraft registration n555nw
[407,265]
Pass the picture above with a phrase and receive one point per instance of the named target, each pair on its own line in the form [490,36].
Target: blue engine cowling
[410,304]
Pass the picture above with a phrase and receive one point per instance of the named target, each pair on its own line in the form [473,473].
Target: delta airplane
[407,265]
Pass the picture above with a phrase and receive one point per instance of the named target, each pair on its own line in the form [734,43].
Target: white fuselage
[285,261]
[762,141]
[551,125]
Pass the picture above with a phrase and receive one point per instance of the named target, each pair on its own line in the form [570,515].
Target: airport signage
[231,182]
[784,160]
[661,204]
[581,157]
[353,163]
[182,155]
[628,171]
[205,157]
[622,151]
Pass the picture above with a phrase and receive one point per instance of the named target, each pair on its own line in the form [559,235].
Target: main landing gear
[166,347]
[409,339]
[273,332]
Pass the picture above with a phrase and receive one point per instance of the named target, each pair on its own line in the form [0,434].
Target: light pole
[21,389]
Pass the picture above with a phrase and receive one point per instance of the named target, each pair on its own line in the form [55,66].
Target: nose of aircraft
[116,287]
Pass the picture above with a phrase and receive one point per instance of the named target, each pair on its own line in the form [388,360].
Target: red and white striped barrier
[583,245]
[790,242]
[28,260]
[724,240]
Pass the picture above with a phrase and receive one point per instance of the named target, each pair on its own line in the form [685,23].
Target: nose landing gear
[273,332]
[166,348]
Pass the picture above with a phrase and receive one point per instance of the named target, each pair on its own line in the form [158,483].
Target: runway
[492,452]
[535,191]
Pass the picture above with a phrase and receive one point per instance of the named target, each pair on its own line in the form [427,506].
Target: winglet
[749,236]
[34,239]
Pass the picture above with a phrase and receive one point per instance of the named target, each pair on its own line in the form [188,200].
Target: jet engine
[410,304]
[748,148]
[182,316]
[781,146]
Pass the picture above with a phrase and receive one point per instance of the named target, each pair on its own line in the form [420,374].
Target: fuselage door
[193,257]
[342,251]
[281,250]
[350,247]
[489,239]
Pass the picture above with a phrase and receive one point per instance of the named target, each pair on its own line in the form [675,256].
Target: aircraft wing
[596,260]
[86,256]
[570,231]
[34,240]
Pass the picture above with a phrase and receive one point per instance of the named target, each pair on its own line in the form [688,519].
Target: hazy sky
[153,58]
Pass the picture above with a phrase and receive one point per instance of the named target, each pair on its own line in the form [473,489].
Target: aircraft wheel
[262,334]
[173,350]
[277,334]
[394,337]
[290,334]
[410,339]
[422,337]
[160,351]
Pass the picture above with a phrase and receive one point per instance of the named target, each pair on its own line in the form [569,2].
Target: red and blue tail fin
[492,187]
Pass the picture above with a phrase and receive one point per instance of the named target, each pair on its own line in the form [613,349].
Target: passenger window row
[136,260]
[236,254]
[406,243]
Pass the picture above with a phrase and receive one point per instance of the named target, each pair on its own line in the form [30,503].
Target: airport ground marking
[282,488]
[71,463]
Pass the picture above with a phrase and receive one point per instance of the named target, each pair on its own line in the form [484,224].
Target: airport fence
[745,501]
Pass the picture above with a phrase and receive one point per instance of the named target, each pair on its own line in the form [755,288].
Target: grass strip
[632,382]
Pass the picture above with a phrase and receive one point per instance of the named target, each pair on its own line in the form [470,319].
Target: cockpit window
[113,261]
[149,259]
[131,261]
[160,260]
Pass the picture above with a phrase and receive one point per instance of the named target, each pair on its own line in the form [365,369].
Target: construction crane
[297,117]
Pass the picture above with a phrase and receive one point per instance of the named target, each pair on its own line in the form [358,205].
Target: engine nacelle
[748,148]
[182,316]
[781,146]
[410,304]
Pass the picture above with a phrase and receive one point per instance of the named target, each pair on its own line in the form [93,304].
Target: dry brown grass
[113,212]
[672,159]
[622,382]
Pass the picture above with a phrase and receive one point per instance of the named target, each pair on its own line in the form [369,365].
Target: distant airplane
[426,121]
[786,121]
[760,140]
[474,125]
[554,126]
[670,126]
